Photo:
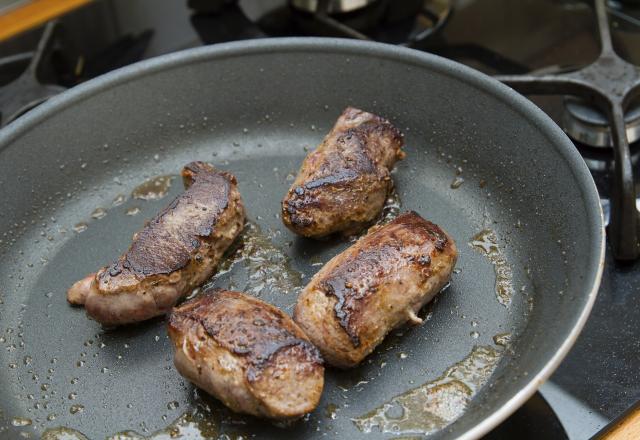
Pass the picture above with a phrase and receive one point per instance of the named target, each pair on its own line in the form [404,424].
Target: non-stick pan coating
[255,108]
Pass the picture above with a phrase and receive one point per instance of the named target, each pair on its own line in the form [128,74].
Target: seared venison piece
[175,252]
[374,286]
[343,184]
[248,354]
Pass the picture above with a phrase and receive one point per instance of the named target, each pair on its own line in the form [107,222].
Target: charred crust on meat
[159,248]
[351,295]
[245,326]
[413,220]
[379,254]
[342,173]
[354,156]
[339,178]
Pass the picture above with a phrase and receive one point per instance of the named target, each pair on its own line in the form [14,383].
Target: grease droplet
[21,421]
[99,213]
[119,200]
[153,189]
[63,434]
[80,227]
[502,339]
[134,210]
[457,182]
[75,409]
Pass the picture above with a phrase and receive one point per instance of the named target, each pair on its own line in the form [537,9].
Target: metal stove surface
[601,376]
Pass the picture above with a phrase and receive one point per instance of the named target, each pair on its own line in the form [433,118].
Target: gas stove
[575,59]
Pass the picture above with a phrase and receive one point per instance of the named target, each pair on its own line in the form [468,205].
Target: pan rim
[557,138]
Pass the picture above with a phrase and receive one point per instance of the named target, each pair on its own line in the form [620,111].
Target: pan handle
[625,427]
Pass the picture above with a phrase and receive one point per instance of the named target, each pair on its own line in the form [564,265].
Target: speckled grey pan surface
[255,108]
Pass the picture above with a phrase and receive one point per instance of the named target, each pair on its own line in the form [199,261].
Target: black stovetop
[600,378]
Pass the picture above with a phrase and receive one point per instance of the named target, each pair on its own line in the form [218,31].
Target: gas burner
[331,6]
[407,23]
[585,123]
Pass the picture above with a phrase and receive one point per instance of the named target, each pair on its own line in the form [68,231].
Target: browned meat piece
[248,354]
[374,286]
[175,252]
[343,184]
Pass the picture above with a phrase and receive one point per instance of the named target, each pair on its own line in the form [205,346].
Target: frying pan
[255,108]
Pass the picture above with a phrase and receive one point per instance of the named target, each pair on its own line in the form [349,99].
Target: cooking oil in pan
[21,421]
[99,213]
[457,182]
[154,188]
[502,339]
[119,200]
[331,411]
[267,266]
[436,404]
[80,227]
[63,434]
[486,242]
[391,208]
[134,210]
[75,409]
[191,425]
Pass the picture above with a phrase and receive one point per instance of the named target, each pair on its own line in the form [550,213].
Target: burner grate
[26,92]
[612,84]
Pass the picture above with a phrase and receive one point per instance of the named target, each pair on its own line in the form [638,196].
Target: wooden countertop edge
[626,427]
[32,14]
